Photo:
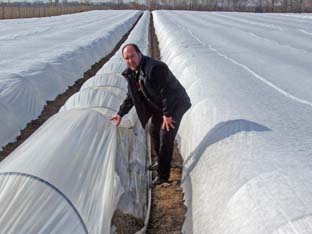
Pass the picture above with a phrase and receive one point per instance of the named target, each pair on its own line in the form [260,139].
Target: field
[245,143]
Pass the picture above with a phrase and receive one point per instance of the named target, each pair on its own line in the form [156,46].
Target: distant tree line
[40,9]
[235,5]
[12,9]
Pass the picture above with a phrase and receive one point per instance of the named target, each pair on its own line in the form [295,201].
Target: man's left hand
[168,123]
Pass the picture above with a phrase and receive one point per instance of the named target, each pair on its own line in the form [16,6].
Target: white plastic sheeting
[40,58]
[105,92]
[76,169]
[68,165]
[246,141]
[133,200]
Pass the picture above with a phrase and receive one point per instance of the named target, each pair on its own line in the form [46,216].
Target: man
[155,93]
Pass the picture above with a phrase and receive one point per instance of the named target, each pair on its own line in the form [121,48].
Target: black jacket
[160,91]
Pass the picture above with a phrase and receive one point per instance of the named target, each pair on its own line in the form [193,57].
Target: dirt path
[167,210]
[52,107]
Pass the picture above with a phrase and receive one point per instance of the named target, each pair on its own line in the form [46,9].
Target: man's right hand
[116,118]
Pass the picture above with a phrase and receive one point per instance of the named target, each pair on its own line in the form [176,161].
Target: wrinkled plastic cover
[16,188]
[131,169]
[78,168]
[246,141]
[73,151]
[40,58]
[114,80]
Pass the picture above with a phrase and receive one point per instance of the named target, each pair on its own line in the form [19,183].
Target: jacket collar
[143,62]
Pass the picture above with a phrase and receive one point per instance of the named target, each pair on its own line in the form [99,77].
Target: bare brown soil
[167,209]
[126,223]
[53,107]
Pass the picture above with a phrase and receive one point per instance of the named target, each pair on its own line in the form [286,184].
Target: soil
[52,107]
[126,223]
[167,209]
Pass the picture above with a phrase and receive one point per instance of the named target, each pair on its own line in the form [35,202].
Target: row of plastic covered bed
[78,168]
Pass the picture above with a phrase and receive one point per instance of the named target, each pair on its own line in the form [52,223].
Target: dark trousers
[164,140]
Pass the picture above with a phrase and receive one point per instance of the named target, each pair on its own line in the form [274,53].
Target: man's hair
[136,48]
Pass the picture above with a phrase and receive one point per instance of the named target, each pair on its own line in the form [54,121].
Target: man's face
[131,57]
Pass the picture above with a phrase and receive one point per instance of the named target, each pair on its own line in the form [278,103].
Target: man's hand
[116,118]
[167,123]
